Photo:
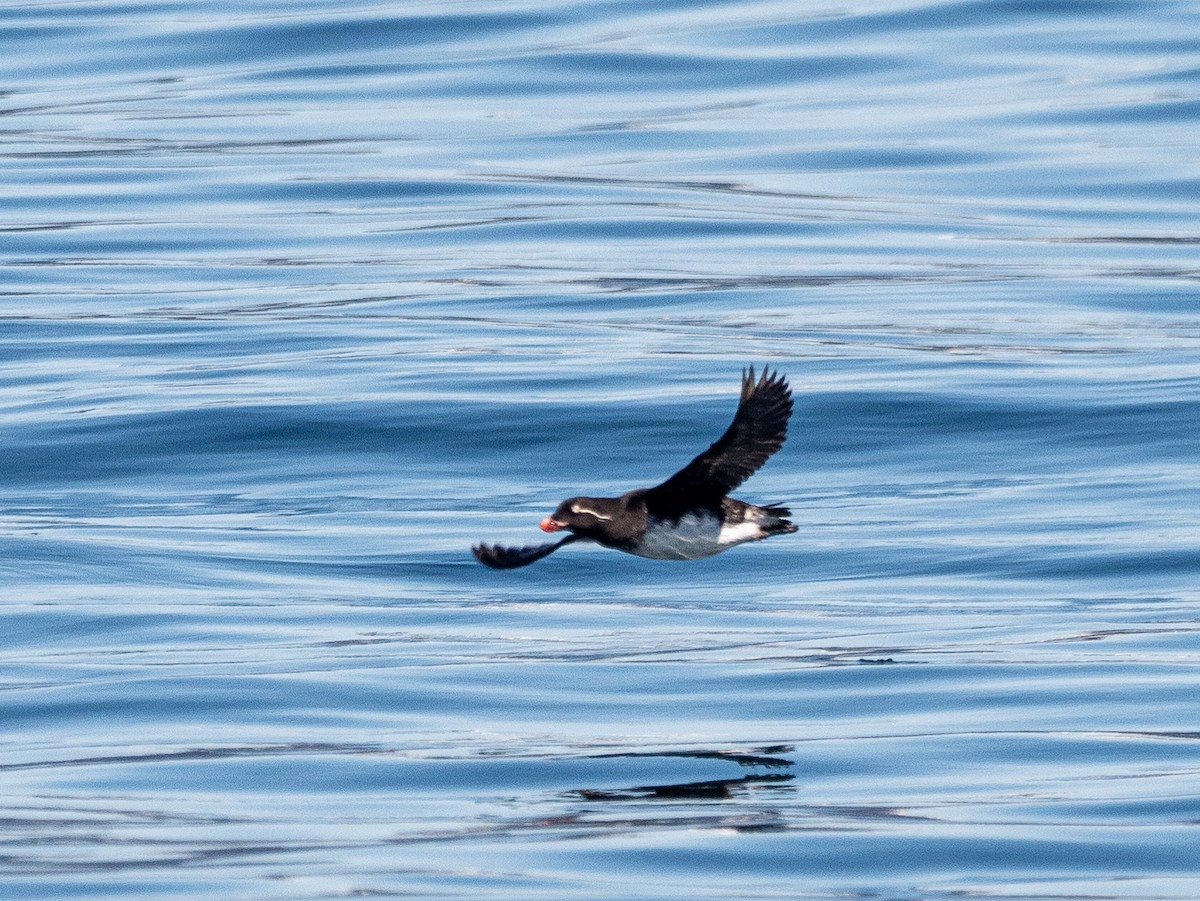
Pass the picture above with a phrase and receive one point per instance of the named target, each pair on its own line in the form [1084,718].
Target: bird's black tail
[774,520]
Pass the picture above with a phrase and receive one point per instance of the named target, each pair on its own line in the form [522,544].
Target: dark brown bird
[690,515]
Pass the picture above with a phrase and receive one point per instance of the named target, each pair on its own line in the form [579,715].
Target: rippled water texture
[298,300]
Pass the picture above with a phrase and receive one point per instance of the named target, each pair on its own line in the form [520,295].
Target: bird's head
[580,514]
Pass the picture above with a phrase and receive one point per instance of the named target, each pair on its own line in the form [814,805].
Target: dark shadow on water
[711,790]
[707,789]
[740,758]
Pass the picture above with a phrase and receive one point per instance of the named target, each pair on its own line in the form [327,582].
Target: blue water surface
[299,300]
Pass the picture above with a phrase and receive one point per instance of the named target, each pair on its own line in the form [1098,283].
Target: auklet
[690,515]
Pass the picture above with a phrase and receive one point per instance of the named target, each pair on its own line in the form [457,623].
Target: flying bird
[690,515]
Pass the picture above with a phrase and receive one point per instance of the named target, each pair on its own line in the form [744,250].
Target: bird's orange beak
[549,525]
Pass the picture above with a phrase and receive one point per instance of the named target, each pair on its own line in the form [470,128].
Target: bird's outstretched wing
[758,429]
[499,557]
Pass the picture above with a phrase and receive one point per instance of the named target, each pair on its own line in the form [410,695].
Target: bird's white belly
[694,537]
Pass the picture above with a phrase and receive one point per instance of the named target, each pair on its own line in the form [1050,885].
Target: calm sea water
[300,299]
